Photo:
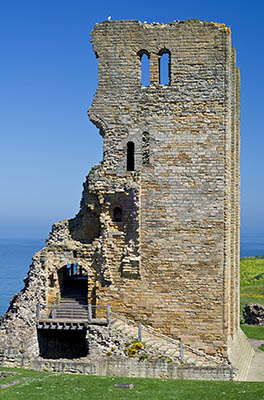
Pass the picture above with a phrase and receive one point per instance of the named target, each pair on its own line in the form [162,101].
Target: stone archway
[73,284]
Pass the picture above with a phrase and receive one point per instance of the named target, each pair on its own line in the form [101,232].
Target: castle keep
[157,234]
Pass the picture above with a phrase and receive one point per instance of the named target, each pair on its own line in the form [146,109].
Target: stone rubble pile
[254,314]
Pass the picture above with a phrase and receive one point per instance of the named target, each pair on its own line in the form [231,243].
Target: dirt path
[15,382]
[256,371]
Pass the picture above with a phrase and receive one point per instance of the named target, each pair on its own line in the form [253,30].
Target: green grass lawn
[251,281]
[252,291]
[253,331]
[41,385]
[250,270]
[261,347]
[251,294]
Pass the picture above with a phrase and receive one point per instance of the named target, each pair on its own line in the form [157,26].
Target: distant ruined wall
[157,234]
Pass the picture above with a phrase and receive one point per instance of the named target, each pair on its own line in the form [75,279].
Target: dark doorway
[56,344]
[73,284]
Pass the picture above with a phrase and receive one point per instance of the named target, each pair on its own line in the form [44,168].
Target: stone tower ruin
[157,234]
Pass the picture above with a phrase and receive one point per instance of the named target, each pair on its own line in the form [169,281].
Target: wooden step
[69,301]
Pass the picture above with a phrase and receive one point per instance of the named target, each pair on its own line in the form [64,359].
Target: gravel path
[256,371]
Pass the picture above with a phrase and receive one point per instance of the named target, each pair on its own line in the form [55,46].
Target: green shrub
[143,356]
[251,269]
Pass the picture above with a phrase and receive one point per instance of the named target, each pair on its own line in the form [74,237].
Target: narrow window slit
[130,156]
[145,148]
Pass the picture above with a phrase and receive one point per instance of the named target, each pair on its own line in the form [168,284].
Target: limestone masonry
[157,234]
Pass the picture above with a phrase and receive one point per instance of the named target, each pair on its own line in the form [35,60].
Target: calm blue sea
[252,245]
[15,259]
[16,255]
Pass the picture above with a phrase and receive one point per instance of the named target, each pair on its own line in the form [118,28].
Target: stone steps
[74,314]
[73,303]
[73,300]
[74,294]
[68,316]
[71,309]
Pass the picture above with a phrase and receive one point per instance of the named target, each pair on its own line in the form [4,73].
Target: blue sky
[48,76]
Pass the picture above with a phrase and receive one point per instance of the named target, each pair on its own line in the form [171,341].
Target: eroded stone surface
[170,258]
[254,314]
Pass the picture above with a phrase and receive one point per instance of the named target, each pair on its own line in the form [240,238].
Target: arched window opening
[164,67]
[130,156]
[145,74]
[145,148]
[118,214]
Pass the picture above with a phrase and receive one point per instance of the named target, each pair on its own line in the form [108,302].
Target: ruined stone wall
[159,242]
[188,192]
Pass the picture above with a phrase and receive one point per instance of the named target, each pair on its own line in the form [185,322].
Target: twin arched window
[145,74]
[164,67]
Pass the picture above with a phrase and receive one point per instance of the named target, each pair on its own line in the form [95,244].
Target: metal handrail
[109,313]
[171,340]
[146,328]
[51,310]
[58,305]
[124,318]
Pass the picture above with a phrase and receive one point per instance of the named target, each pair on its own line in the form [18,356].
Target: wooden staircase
[73,302]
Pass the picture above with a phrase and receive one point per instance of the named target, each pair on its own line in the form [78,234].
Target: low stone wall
[124,367]
[4,374]
[240,354]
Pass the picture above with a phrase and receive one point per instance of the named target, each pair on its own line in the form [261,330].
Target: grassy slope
[251,294]
[252,291]
[253,332]
[80,387]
